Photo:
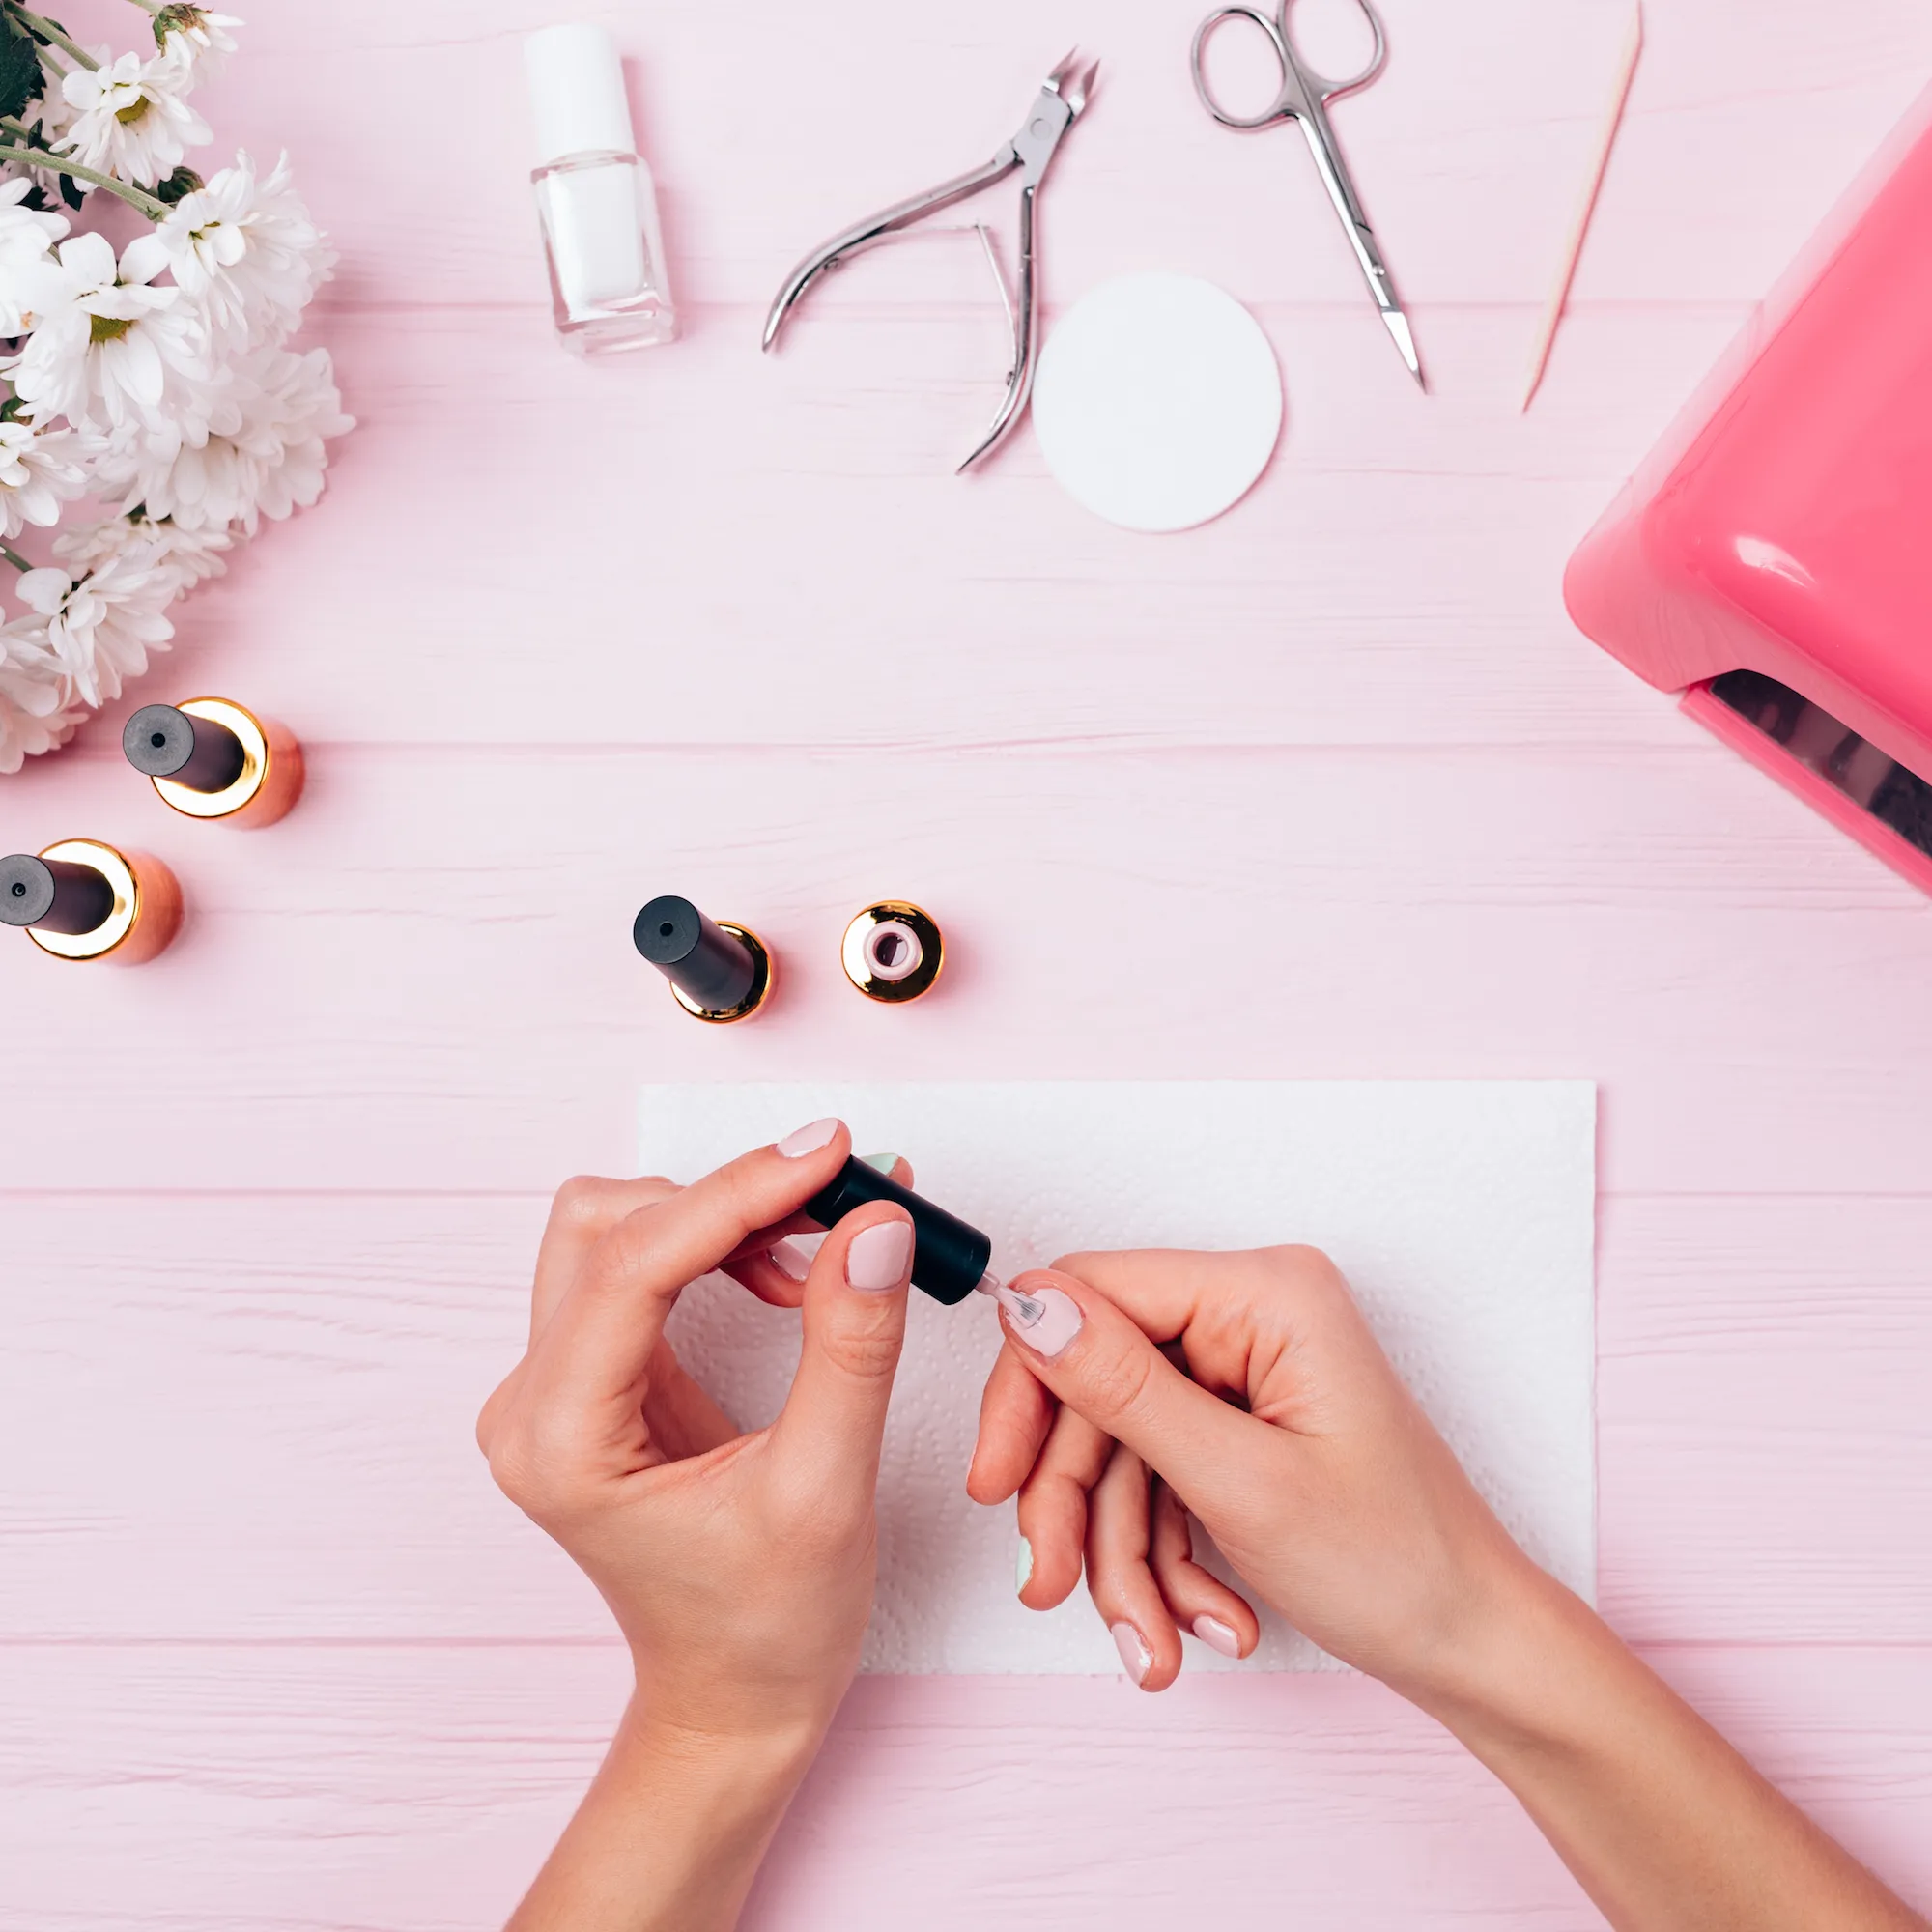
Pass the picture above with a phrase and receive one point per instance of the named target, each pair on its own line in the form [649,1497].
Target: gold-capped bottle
[210,757]
[719,971]
[80,899]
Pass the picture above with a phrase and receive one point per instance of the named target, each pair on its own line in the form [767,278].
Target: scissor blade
[1398,326]
[1361,237]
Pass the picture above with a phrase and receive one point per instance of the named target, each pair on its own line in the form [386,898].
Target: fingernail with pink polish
[1217,1635]
[1136,1659]
[879,1255]
[808,1140]
[1046,1319]
[790,1259]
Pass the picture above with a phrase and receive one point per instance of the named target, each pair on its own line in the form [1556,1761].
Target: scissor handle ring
[1283,101]
[1333,90]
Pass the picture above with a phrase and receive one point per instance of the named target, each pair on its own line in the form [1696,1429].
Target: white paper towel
[1461,1212]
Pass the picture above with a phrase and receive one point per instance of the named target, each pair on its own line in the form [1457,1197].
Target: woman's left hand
[739,1566]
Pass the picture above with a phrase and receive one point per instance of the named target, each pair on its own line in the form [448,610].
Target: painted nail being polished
[1046,1321]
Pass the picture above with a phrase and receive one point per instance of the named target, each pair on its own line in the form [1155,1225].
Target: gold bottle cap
[894,952]
[256,759]
[102,940]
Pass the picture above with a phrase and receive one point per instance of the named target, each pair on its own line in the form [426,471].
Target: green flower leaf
[22,77]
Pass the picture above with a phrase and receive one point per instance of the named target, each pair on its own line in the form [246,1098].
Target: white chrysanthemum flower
[130,117]
[206,41]
[108,353]
[193,555]
[246,251]
[102,628]
[28,270]
[26,234]
[261,453]
[38,475]
[36,711]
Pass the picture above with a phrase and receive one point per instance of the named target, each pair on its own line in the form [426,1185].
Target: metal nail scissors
[1304,97]
[1063,97]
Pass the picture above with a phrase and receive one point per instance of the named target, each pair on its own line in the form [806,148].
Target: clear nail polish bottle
[595,197]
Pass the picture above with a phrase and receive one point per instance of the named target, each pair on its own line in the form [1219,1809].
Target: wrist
[672,1831]
[1527,1668]
[662,1746]
[736,1699]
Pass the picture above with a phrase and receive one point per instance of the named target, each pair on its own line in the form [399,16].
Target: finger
[1095,1358]
[893,1166]
[777,1276]
[1165,1288]
[601,1337]
[1241,1319]
[1118,1579]
[855,1316]
[1015,1413]
[780,1239]
[1197,1600]
[773,1265]
[585,1210]
[1053,1510]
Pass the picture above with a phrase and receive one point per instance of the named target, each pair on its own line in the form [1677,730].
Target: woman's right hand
[1340,1504]
[1289,1438]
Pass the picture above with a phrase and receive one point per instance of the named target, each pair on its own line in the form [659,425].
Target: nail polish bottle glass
[595,197]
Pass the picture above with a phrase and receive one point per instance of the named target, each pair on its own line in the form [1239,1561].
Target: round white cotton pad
[1158,402]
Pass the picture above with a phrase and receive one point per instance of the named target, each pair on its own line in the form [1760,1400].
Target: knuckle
[497,1404]
[1307,1274]
[627,1248]
[512,1469]
[866,1354]
[539,1472]
[1115,1385]
[588,1203]
[1076,1265]
[745,1185]
[486,1424]
[1297,1261]
[579,1202]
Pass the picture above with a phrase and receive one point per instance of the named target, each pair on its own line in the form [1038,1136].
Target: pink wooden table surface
[276,1658]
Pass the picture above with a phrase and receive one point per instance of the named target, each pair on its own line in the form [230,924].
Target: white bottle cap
[576,93]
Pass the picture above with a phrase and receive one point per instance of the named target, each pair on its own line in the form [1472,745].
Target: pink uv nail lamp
[1772,559]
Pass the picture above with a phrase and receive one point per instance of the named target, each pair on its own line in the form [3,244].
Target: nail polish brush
[948,1256]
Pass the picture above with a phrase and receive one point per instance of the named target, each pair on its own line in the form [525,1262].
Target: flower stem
[46,30]
[152,5]
[150,205]
[15,558]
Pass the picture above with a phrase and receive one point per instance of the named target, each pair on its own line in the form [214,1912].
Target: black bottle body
[949,1259]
